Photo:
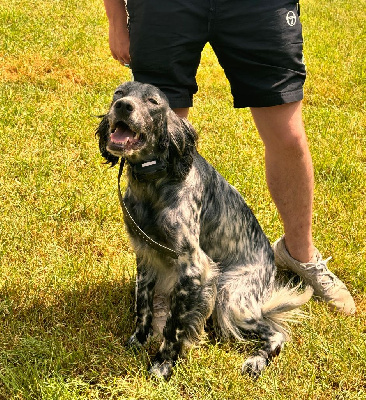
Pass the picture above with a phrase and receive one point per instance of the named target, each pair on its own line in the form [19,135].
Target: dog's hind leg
[192,302]
[279,308]
[145,285]
[247,305]
[238,315]
[272,343]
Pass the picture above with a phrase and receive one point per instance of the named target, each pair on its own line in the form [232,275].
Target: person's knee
[289,141]
[281,127]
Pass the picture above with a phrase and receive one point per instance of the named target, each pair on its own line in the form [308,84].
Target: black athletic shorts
[257,42]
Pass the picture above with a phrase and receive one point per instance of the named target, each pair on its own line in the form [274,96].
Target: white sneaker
[326,285]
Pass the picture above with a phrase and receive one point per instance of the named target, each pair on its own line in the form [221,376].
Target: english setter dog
[198,245]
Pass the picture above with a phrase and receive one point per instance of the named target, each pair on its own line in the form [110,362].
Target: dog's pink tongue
[122,136]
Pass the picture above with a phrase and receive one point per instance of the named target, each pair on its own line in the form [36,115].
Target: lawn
[66,267]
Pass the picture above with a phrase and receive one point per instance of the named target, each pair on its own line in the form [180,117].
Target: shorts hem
[178,97]
[269,101]
[179,103]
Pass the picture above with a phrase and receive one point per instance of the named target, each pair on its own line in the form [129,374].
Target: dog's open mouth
[122,136]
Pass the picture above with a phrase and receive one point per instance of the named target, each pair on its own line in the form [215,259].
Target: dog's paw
[254,366]
[161,369]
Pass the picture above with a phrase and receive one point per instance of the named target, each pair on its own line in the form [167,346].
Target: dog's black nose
[124,104]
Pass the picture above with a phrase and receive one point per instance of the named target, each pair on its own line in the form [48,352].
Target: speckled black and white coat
[225,267]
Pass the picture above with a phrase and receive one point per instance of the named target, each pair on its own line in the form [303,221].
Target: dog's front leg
[145,284]
[192,302]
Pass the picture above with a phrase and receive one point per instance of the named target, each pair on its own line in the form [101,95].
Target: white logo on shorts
[291,18]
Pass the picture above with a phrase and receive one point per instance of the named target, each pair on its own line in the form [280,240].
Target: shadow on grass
[76,335]
[68,344]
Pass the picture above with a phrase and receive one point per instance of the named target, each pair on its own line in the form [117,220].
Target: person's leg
[290,179]
[289,173]
[181,112]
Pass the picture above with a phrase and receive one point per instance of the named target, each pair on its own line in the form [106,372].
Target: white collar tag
[148,163]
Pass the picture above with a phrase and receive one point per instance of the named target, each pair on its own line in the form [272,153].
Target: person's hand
[119,43]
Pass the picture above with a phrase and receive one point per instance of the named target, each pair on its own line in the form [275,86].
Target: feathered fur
[225,266]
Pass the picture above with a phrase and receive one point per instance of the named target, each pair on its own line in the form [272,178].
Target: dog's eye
[153,101]
[118,93]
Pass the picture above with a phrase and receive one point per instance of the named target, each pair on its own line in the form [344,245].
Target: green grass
[66,276]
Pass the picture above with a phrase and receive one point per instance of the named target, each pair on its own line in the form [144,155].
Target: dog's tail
[284,305]
[240,312]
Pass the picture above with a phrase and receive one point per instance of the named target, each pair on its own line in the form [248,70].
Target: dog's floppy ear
[181,133]
[102,133]
[182,142]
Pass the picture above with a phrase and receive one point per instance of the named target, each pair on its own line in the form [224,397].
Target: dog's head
[140,126]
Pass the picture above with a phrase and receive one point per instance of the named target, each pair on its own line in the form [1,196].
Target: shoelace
[325,277]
